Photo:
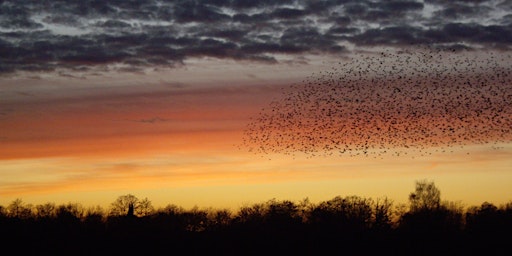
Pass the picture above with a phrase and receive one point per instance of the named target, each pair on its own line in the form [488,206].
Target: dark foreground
[341,226]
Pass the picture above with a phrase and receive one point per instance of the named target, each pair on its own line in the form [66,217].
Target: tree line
[350,225]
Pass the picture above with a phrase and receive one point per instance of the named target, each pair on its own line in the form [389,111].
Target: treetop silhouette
[342,225]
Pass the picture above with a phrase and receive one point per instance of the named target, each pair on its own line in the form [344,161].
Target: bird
[391,102]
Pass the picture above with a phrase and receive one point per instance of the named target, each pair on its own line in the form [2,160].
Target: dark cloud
[399,6]
[339,20]
[258,3]
[309,39]
[116,24]
[462,31]
[457,1]
[475,33]
[191,11]
[81,35]
[16,17]
[402,35]
[19,23]
[385,12]
[255,48]
[212,47]
[62,19]
[233,34]
[340,30]
[288,13]
[356,8]
[459,11]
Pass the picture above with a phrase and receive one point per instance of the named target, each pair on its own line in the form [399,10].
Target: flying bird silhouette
[392,102]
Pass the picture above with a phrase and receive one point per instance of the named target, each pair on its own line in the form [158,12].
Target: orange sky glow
[175,138]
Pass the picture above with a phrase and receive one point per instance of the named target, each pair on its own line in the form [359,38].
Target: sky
[182,101]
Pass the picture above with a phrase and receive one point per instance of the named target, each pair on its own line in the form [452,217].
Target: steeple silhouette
[130,210]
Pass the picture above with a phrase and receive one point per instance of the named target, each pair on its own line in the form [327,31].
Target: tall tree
[124,205]
[426,197]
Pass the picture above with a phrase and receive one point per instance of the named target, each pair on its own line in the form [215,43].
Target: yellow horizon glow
[230,181]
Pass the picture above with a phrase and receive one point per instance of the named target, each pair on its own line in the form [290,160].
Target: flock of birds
[391,103]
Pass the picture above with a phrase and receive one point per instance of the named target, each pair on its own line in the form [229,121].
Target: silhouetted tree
[254,214]
[95,211]
[195,220]
[219,218]
[47,210]
[69,217]
[124,206]
[507,207]
[94,219]
[489,228]
[350,225]
[282,212]
[383,213]
[171,210]
[144,208]
[349,213]
[453,216]
[304,208]
[425,197]
[169,218]
[485,218]
[3,211]
[18,209]
[70,211]
[433,226]
[399,211]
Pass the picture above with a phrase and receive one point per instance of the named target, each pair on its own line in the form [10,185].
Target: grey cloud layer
[38,35]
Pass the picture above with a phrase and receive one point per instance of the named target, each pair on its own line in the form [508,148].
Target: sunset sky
[152,98]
